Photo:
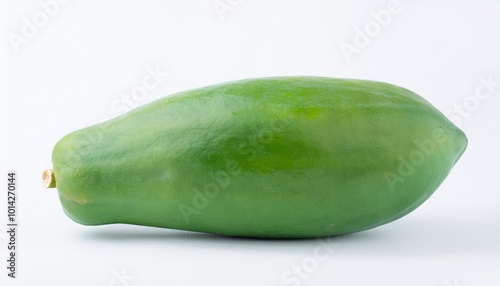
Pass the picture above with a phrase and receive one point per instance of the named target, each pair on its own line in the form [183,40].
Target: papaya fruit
[280,157]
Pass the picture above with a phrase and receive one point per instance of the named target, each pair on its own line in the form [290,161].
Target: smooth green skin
[284,157]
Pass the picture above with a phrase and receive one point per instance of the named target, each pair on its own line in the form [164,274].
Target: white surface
[81,66]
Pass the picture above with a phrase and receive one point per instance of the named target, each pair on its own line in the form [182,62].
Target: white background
[79,66]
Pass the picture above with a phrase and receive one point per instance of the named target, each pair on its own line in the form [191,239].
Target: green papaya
[282,157]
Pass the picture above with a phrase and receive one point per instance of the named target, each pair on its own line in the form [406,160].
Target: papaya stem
[49,179]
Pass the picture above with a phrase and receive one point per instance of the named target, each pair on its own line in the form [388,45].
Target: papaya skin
[282,157]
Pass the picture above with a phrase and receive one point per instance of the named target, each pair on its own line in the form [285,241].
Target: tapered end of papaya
[461,142]
[49,180]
